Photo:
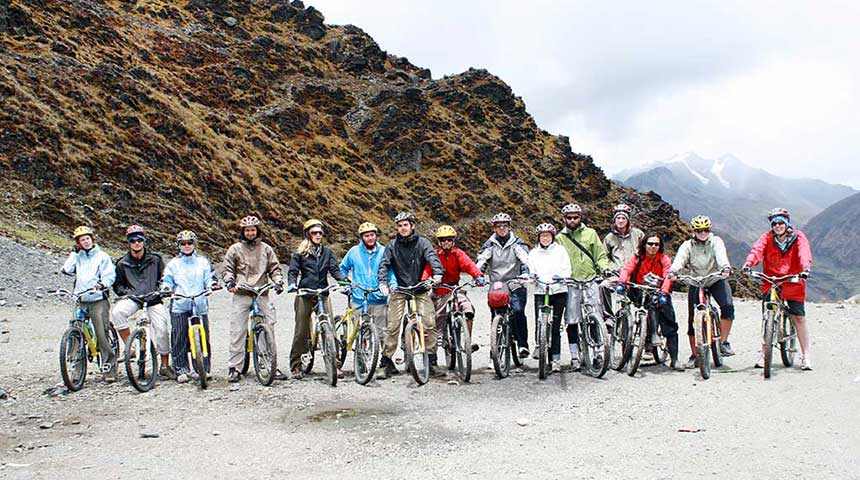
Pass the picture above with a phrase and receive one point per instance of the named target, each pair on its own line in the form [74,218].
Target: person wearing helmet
[454,263]
[406,256]
[588,260]
[548,259]
[93,268]
[651,261]
[249,262]
[188,273]
[310,266]
[361,264]
[504,257]
[702,255]
[621,244]
[138,274]
[785,250]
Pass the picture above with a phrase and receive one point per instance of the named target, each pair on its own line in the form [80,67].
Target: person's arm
[804,251]
[168,279]
[467,265]
[346,264]
[682,256]
[627,270]
[564,267]
[721,255]
[599,253]
[70,265]
[485,255]
[273,267]
[120,286]
[522,253]
[229,274]
[208,274]
[666,263]
[607,245]
[384,268]
[107,272]
[294,269]
[433,259]
[757,251]
[334,267]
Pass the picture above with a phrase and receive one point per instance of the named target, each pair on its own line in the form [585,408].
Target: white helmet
[571,208]
[501,218]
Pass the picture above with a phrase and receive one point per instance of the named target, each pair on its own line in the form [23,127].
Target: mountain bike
[415,348]
[141,359]
[593,338]
[622,335]
[643,324]
[503,347]
[543,328]
[456,340]
[777,326]
[260,339]
[197,337]
[79,344]
[321,334]
[706,324]
[358,334]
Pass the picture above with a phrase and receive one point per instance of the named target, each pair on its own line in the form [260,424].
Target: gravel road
[660,424]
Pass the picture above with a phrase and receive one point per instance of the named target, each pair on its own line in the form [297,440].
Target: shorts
[793,307]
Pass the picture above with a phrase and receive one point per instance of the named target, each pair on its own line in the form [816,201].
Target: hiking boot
[655,339]
[475,347]
[435,372]
[167,372]
[692,361]
[536,353]
[182,378]
[524,352]
[388,368]
[726,349]
[233,376]
[556,366]
[575,363]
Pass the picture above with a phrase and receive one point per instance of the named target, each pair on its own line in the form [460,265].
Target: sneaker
[524,352]
[475,347]
[167,372]
[556,366]
[182,378]
[389,369]
[196,377]
[110,375]
[726,349]
[692,361]
[233,376]
[805,363]
[535,353]
[759,362]
[676,365]
[340,373]
[575,364]
[297,374]
[281,376]
[436,373]
[655,339]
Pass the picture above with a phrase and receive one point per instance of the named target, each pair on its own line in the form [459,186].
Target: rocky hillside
[833,234]
[192,114]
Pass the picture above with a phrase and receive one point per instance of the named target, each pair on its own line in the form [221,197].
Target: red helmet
[134,229]
[778,212]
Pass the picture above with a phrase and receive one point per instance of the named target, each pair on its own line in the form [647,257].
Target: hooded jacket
[189,275]
[251,263]
[621,247]
[406,257]
[139,277]
[776,262]
[581,266]
[547,262]
[454,263]
[314,268]
[503,262]
[89,268]
[699,259]
[362,267]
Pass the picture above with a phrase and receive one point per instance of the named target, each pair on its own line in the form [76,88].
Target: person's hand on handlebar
[619,289]
[279,287]
[384,290]
[804,273]
[292,288]
[746,268]
[231,286]
[481,281]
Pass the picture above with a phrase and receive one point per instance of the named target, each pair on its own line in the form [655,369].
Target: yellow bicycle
[197,337]
[417,356]
[79,345]
[260,339]
[358,324]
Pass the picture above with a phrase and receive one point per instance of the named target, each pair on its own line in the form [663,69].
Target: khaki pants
[159,321]
[304,307]
[379,314]
[239,312]
[396,309]
[99,315]
[440,302]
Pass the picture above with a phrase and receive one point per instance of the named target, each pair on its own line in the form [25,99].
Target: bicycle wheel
[704,350]
[619,348]
[340,337]
[788,343]
[717,343]
[500,346]
[249,347]
[73,359]
[637,345]
[198,358]
[417,359]
[307,359]
[141,371]
[265,354]
[660,351]
[329,352]
[542,345]
[366,354]
[450,342]
[767,341]
[464,352]
[596,349]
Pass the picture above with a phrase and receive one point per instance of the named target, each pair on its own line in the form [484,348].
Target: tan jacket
[621,248]
[251,263]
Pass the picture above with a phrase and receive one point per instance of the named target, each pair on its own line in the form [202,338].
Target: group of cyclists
[613,266]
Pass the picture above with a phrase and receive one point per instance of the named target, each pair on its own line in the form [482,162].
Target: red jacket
[659,265]
[453,263]
[797,258]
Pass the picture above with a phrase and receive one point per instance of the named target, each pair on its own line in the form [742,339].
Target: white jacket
[547,262]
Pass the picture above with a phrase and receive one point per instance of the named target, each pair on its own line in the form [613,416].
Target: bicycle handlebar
[795,278]
[143,298]
[310,292]
[257,291]
[455,287]
[414,288]
[572,282]
[175,295]
[698,281]
[643,287]
[69,293]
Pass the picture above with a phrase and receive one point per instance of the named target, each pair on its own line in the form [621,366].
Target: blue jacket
[189,275]
[362,266]
[89,268]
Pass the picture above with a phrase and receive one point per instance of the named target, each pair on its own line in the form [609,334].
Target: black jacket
[314,269]
[408,256]
[139,277]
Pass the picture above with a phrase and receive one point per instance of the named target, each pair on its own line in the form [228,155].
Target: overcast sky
[773,82]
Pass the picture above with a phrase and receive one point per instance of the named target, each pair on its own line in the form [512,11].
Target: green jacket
[581,266]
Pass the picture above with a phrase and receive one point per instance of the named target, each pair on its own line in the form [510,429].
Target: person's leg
[396,307]
[240,308]
[428,315]
[207,360]
[179,342]
[303,307]
[99,314]
[797,312]
[692,300]
[379,315]
[439,302]
[159,321]
[468,311]
[520,328]
[558,302]
[119,314]
[722,294]
[669,328]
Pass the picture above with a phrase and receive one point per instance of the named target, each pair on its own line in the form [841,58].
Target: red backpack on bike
[499,296]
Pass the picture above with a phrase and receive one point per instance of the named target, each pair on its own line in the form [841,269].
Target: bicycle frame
[255,312]
[351,325]
[195,323]
[82,321]
[412,312]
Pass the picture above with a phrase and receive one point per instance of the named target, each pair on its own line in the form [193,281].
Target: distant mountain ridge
[836,265]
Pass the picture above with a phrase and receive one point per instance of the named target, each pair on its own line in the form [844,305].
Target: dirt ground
[660,424]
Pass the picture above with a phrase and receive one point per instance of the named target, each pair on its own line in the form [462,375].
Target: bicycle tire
[500,347]
[717,343]
[265,354]
[597,334]
[366,354]
[113,339]
[659,351]
[199,359]
[73,353]
[340,338]
[769,323]
[637,345]
[450,343]
[542,347]
[788,343]
[307,359]
[420,372]
[464,352]
[249,347]
[136,370]
[704,350]
[329,352]
[621,339]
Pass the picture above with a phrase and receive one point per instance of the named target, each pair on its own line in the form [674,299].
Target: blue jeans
[519,327]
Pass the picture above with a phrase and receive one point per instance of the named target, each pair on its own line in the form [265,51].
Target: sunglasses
[502,225]
[572,217]
[446,240]
[316,232]
[703,230]
[136,240]
[777,223]
[652,244]
[186,243]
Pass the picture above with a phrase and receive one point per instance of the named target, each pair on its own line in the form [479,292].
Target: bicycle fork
[192,327]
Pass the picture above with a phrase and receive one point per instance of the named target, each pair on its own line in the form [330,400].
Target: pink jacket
[776,264]
[659,265]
